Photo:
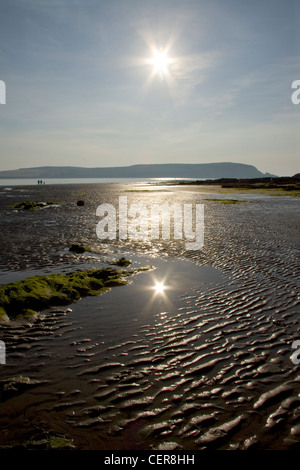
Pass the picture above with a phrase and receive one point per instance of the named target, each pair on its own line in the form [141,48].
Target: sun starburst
[161,65]
[160,62]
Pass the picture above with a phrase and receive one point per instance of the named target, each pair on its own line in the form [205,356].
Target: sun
[161,65]
[160,62]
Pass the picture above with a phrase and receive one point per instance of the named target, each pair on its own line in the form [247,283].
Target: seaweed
[22,299]
[122,262]
[31,205]
[226,201]
[77,248]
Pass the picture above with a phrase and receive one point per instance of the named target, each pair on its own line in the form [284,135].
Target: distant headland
[164,170]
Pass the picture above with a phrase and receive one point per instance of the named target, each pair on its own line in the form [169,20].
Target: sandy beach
[205,364]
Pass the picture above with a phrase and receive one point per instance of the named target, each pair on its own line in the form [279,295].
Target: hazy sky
[82,88]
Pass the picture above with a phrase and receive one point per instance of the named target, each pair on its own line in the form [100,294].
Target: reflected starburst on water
[159,288]
[157,293]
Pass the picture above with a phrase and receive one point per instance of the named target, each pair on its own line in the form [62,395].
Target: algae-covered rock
[122,262]
[77,248]
[3,315]
[31,205]
[31,295]
[226,201]
[49,441]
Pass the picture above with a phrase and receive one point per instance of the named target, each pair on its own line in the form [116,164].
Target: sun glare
[161,65]
[160,61]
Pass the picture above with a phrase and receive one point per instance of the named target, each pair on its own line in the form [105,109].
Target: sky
[98,83]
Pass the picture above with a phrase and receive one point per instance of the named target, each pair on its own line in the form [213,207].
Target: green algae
[31,205]
[23,299]
[60,442]
[226,201]
[48,441]
[77,248]
[122,262]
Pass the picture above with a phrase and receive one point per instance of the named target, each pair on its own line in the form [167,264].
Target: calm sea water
[33,181]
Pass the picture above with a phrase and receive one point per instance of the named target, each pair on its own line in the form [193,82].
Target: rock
[80,203]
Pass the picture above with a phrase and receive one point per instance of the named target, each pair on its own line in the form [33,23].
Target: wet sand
[206,364]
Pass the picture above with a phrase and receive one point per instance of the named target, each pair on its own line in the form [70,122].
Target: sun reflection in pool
[159,287]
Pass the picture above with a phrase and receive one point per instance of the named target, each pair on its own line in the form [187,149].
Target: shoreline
[279,185]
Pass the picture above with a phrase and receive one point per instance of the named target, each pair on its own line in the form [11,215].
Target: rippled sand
[206,364]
